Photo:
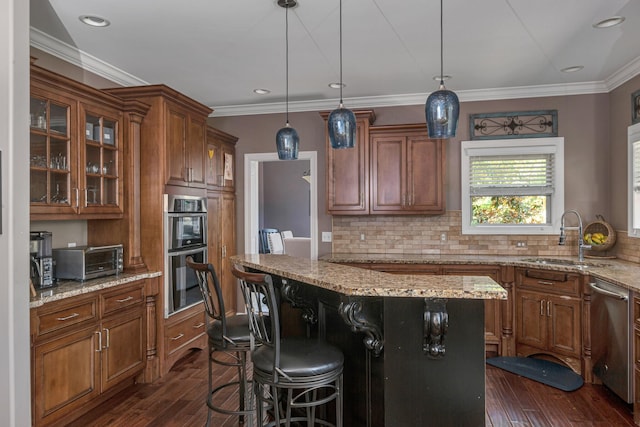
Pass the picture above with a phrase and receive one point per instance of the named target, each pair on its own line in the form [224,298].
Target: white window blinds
[636,167]
[511,175]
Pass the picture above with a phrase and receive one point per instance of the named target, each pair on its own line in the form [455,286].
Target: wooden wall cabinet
[76,150]
[348,170]
[220,160]
[84,350]
[392,170]
[548,315]
[407,171]
[186,133]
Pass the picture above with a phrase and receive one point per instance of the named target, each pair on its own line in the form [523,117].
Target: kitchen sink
[557,261]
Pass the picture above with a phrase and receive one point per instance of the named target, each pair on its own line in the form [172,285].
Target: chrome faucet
[563,237]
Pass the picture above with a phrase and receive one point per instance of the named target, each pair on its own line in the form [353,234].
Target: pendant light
[442,107]
[342,121]
[287,140]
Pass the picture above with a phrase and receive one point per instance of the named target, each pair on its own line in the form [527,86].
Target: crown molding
[83,60]
[75,56]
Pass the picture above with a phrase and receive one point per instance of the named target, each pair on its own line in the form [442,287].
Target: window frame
[518,146]
[633,136]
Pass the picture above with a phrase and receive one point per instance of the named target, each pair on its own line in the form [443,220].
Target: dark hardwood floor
[177,400]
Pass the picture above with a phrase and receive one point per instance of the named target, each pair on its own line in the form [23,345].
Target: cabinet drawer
[122,298]
[59,316]
[184,331]
[549,281]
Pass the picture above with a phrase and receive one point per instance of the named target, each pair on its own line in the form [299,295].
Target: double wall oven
[185,225]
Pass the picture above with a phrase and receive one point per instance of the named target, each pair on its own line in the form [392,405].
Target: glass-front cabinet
[76,153]
[100,164]
[52,180]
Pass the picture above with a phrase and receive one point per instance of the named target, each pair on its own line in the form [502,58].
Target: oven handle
[608,292]
[188,252]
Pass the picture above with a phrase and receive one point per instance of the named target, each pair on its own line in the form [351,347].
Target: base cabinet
[84,350]
[548,315]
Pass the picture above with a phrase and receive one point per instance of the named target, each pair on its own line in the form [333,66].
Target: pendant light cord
[286,37]
[341,52]
[441,47]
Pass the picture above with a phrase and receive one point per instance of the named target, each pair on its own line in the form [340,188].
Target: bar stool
[292,376]
[229,335]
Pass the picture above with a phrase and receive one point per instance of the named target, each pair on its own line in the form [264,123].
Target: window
[634,181]
[513,186]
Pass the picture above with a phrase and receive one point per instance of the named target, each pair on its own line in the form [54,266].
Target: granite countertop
[70,288]
[352,281]
[622,273]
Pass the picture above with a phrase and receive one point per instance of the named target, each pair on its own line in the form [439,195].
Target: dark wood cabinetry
[85,349]
[392,170]
[407,170]
[348,170]
[548,315]
[76,150]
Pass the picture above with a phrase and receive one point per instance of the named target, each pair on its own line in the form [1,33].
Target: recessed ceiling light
[94,21]
[336,85]
[572,69]
[261,91]
[609,22]
[445,77]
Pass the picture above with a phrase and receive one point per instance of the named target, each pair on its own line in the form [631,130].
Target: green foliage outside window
[509,210]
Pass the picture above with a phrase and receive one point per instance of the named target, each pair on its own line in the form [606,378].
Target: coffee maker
[41,259]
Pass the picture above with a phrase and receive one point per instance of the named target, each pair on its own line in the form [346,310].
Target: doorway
[252,198]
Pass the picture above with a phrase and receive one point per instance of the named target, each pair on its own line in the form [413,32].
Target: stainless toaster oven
[87,262]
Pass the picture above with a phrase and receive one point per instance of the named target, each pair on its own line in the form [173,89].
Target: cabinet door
[100,161]
[194,147]
[425,175]
[564,326]
[53,154]
[388,173]
[66,374]
[123,346]
[531,319]
[176,156]
[348,176]
[221,218]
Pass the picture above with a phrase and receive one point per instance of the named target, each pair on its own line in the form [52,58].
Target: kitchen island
[413,344]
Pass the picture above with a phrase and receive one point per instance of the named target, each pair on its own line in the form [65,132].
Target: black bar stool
[292,376]
[229,335]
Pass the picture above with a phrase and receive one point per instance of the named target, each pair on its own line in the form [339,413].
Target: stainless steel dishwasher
[611,337]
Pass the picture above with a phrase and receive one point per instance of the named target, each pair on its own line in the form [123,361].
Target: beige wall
[583,122]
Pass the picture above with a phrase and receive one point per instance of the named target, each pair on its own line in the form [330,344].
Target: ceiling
[218,52]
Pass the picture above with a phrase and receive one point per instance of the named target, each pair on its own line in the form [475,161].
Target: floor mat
[543,371]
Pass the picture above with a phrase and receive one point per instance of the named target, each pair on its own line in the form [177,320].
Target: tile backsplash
[442,235]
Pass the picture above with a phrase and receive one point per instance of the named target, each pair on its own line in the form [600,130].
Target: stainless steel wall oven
[185,225]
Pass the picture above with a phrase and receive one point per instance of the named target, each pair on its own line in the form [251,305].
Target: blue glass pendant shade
[442,110]
[342,128]
[287,143]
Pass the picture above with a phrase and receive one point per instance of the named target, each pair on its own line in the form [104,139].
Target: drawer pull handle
[129,298]
[71,316]
[545,282]
[177,337]
[99,349]
[198,326]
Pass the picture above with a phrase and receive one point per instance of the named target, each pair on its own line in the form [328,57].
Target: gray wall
[285,197]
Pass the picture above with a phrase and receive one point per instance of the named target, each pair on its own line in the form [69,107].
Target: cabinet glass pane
[38,151]
[93,159]
[110,191]
[92,128]
[59,188]
[59,154]
[38,186]
[93,194]
[38,113]
[109,162]
[108,132]
[58,119]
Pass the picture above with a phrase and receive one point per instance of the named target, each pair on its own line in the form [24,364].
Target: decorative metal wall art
[635,107]
[517,124]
